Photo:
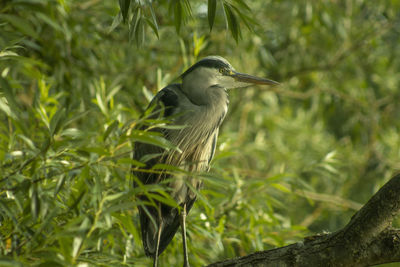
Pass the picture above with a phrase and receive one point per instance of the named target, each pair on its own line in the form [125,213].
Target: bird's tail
[167,220]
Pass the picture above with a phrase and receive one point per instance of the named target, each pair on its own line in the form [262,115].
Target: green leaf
[41,110]
[139,32]
[243,5]
[52,23]
[73,133]
[127,223]
[137,27]
[6,108]
[9,94]
[110,128]
[60,184]
[124,6]
[56,121]
[163,197]
[166,167]
[35,202]
[10,263]
[152,139]
[212,6]
[152,26]
[130,161]
[20,24]
[178,15]
[28,142]
[79,239]
[233,24]
[281,187]
[153,23]
[116,21]
[114,196]
[248,21]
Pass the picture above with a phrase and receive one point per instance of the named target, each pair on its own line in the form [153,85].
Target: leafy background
[292,161]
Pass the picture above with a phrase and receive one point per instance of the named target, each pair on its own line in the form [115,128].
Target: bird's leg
[183,227]
[155,263]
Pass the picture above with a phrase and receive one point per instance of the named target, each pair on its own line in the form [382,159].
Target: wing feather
[163,105]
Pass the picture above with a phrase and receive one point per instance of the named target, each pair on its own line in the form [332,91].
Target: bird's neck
[212,100]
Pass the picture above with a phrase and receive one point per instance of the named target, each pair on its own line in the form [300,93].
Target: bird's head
[217,71]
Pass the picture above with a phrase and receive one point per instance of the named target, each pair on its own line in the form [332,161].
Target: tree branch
[366,240]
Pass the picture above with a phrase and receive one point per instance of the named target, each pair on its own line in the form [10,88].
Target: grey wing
[162,105]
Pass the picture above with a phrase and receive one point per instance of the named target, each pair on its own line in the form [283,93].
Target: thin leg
[155,262]
[183,227]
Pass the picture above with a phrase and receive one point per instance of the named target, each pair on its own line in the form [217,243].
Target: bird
[197,106]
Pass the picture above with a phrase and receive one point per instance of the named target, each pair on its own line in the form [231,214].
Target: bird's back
[197,147]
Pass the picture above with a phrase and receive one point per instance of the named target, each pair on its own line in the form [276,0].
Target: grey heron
[199,104]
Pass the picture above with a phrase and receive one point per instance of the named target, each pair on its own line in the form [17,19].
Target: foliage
[292,160]
[141,14]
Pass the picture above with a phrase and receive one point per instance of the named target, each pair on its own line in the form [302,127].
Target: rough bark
[368,239]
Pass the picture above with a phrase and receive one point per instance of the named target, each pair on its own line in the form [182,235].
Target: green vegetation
[291,161]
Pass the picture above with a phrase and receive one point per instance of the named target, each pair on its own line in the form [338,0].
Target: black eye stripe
[208,63]
[212,63]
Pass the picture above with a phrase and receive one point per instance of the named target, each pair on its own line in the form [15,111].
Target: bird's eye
[222,70]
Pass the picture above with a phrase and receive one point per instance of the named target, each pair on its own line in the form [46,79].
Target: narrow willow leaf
[4,208]
[117,21]
[233,24]
[130,162]
[59,185]
[136,15]
[198,194]
[161,166]
[52,23]
[122,206]
[281,187]
[147,138]
[165,199]
[35,202]
[20,24]
[73,133]
[114,196]
[55,122]
[178,15]
[110,128]
[5,108]
[212,6]
[148,157]
[78,240]
[153,24]
[247,20]
[9,94]
[127,223]
[124,6]
[78,199]
[43,115]
[139,32]
[242,5]
[28,142]
[10,263]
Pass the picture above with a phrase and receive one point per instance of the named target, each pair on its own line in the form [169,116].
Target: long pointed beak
[246,78]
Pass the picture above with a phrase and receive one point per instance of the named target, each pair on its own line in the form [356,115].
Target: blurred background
[291,161]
